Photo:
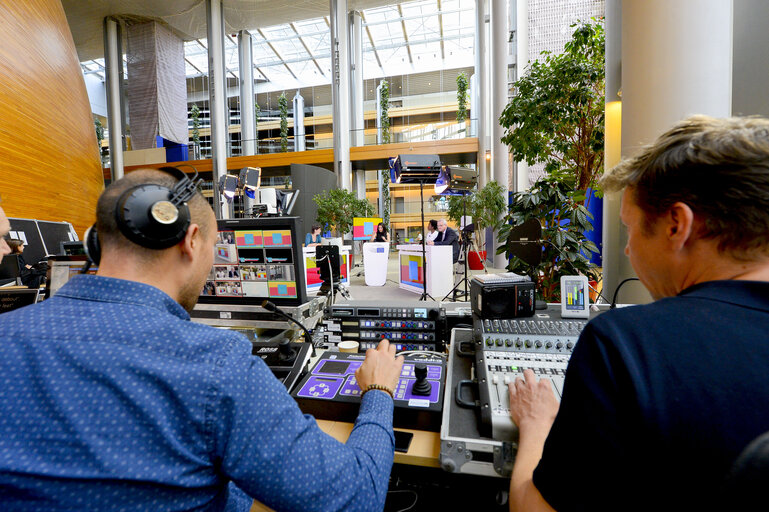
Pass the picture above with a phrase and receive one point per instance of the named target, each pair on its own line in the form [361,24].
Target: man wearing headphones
[112,398]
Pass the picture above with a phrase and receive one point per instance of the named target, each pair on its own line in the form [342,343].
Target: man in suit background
[447,236]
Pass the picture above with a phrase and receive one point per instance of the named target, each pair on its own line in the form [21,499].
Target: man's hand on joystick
[380,367]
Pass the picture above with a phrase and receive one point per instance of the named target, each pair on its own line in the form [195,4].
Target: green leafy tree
[195,115]
[485,207]
[257,111]
[283,108]
[384,120]
[337,207]
[386,198]
[461,96]
[555,203]
[557,114]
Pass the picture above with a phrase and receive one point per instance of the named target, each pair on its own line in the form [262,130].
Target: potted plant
[336,209]
[485,207]
[555,203]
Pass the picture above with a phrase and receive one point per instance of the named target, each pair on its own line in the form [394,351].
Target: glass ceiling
[420,36]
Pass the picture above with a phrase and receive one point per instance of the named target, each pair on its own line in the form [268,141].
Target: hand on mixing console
[380,367]
[533,404]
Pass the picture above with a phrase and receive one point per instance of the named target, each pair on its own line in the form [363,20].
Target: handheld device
[575,301]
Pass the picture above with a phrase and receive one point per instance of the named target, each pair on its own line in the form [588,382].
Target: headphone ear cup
[146,217]
[91,245]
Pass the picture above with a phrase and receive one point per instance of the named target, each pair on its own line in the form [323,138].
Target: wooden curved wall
[49,162]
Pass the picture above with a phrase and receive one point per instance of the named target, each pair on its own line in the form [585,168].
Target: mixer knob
[518,343]
[559,345]
[489,342]
[528,344]
[538,344]
[499,342]
[508,343]
[549,344]
[569,345]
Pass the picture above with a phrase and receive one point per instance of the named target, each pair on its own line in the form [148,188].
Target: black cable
[269,306]
[616,291]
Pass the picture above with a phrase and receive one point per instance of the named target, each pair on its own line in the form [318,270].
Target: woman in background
[313,237]
[432,230]
[381,235]
[30,276]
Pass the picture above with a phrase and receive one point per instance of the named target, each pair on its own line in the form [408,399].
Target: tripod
[467,242]
[424,295]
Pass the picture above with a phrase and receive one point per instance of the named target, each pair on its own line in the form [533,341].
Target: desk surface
[424,450]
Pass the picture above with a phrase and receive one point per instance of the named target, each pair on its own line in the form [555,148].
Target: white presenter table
[375,256]
[440,269]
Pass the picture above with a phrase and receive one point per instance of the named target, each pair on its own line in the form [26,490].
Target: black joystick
[285,352]
[422,386]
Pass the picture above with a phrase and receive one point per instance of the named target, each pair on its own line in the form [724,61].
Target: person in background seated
[313,238]
[115,399]
[432,230]
[31,276]
[447,236]
[381,235]
[660,399]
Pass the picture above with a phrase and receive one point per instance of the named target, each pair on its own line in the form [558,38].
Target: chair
[10,270]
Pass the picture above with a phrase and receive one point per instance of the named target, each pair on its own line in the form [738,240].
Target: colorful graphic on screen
[248,239]
[411,269]
[575,295]
[363,228]
[282,289]
[313,272]
[281,238]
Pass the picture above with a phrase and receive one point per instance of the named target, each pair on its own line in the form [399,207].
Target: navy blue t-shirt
[659,400]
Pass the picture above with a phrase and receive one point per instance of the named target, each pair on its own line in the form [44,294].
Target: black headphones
[150,215]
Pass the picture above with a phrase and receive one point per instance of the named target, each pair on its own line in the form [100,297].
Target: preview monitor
[254,260]
[11,299]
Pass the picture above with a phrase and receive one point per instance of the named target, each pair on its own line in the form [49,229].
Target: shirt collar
[110,289]
[753,294]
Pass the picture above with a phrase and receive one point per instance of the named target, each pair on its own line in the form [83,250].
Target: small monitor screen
[575,294]
[335,367]
[254,260]
[15,299]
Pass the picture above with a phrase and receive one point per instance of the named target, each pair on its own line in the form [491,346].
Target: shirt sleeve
[581,461]
[281,457]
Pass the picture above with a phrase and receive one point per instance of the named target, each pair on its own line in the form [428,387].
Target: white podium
[375,256]
[440,269]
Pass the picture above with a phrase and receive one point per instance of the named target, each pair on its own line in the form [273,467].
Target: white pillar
[340,92]
[482,83]
[685,69]
[499,52]
[247,114]
[113,64]
[356,54]
[360,184]
[299,141]
[379,113]
[217,94]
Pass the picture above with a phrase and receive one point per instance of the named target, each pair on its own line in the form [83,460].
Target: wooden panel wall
[49,161]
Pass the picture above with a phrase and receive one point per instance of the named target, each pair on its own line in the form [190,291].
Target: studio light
[228,185]
[250,178]
[415,169]
[455,180]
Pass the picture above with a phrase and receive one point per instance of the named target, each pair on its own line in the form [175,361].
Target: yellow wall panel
[49,162]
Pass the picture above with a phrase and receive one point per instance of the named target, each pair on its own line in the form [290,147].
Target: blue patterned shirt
[112,399]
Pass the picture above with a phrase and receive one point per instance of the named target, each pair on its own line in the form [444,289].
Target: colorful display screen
[363,228]
[411,269]
[575,294]
[253,264]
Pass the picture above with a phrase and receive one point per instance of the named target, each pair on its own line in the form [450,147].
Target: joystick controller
[285,352]
[422,386]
